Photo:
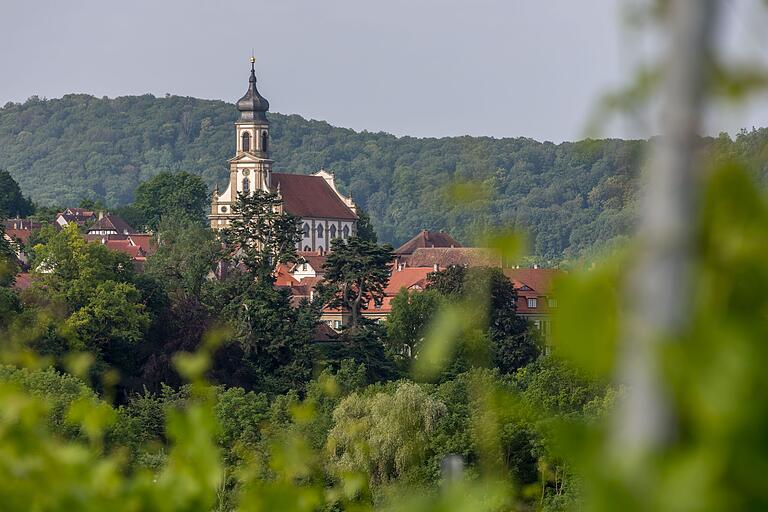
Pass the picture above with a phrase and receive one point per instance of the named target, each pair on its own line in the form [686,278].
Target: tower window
[264,140]
[246,185]
[319,231]
[305,230]
[332,231]
[246,145]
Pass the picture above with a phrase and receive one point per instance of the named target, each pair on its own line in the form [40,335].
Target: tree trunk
[659,283]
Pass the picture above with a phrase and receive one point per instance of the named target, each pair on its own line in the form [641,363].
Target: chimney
[436,267]
[101,215]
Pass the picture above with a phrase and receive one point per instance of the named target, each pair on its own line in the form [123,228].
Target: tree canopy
[12,202]
[179,194]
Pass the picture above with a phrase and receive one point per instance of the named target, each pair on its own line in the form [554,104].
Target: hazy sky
[532,68]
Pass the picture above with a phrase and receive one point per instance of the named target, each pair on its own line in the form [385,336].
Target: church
[324,213]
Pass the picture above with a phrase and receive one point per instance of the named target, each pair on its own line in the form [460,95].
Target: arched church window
[264,140]
[307,248]
[246,145]
[332,231]
[246,185]
[305,229]
[345,231]
[319,231]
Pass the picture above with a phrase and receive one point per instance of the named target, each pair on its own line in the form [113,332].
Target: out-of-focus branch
[659,289]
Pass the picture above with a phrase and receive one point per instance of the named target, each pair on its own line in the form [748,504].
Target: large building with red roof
[324,213]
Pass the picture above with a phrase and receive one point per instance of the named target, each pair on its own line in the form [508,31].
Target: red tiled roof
[21,235]
[143,240]
[409,277]
[447,256]
[283,277]
[134,251]
[538,279]
[112,222]
[311,196]
[532,283]
[315,259]
[427,239]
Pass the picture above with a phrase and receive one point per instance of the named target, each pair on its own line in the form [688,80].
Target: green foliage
[179,194]
[262,235]
[364,345]
[186,253]
[409,320]
[12,202]
[271,350]
[113,314]
[69,267]
[571,196]
[384,435]
[356,273]
[481,323]
[365,229]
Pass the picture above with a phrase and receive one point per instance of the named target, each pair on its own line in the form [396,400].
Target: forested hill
[569,196]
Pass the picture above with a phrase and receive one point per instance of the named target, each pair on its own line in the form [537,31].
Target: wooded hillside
[570,197]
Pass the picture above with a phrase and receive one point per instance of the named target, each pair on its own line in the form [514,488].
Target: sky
[426,68]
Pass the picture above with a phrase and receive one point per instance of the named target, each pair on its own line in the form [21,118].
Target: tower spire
[252,105]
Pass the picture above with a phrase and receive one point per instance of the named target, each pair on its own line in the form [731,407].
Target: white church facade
[324,213]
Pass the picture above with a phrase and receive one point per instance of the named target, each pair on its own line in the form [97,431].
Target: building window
[332,231]
[319,231]
[307,248]
[303,267]
[246,141]
[264,140]
[337,324]
[246,185]
[532,302]
[345,231]
[305,230]
[551,302]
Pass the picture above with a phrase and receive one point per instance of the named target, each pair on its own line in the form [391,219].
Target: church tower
[251,167]
[323,212]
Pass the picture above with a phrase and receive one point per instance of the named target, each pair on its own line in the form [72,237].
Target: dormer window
[246,141]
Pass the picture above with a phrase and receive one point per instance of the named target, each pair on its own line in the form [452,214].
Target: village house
[79,216]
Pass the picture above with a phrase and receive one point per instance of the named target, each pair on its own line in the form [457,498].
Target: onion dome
[253,105]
